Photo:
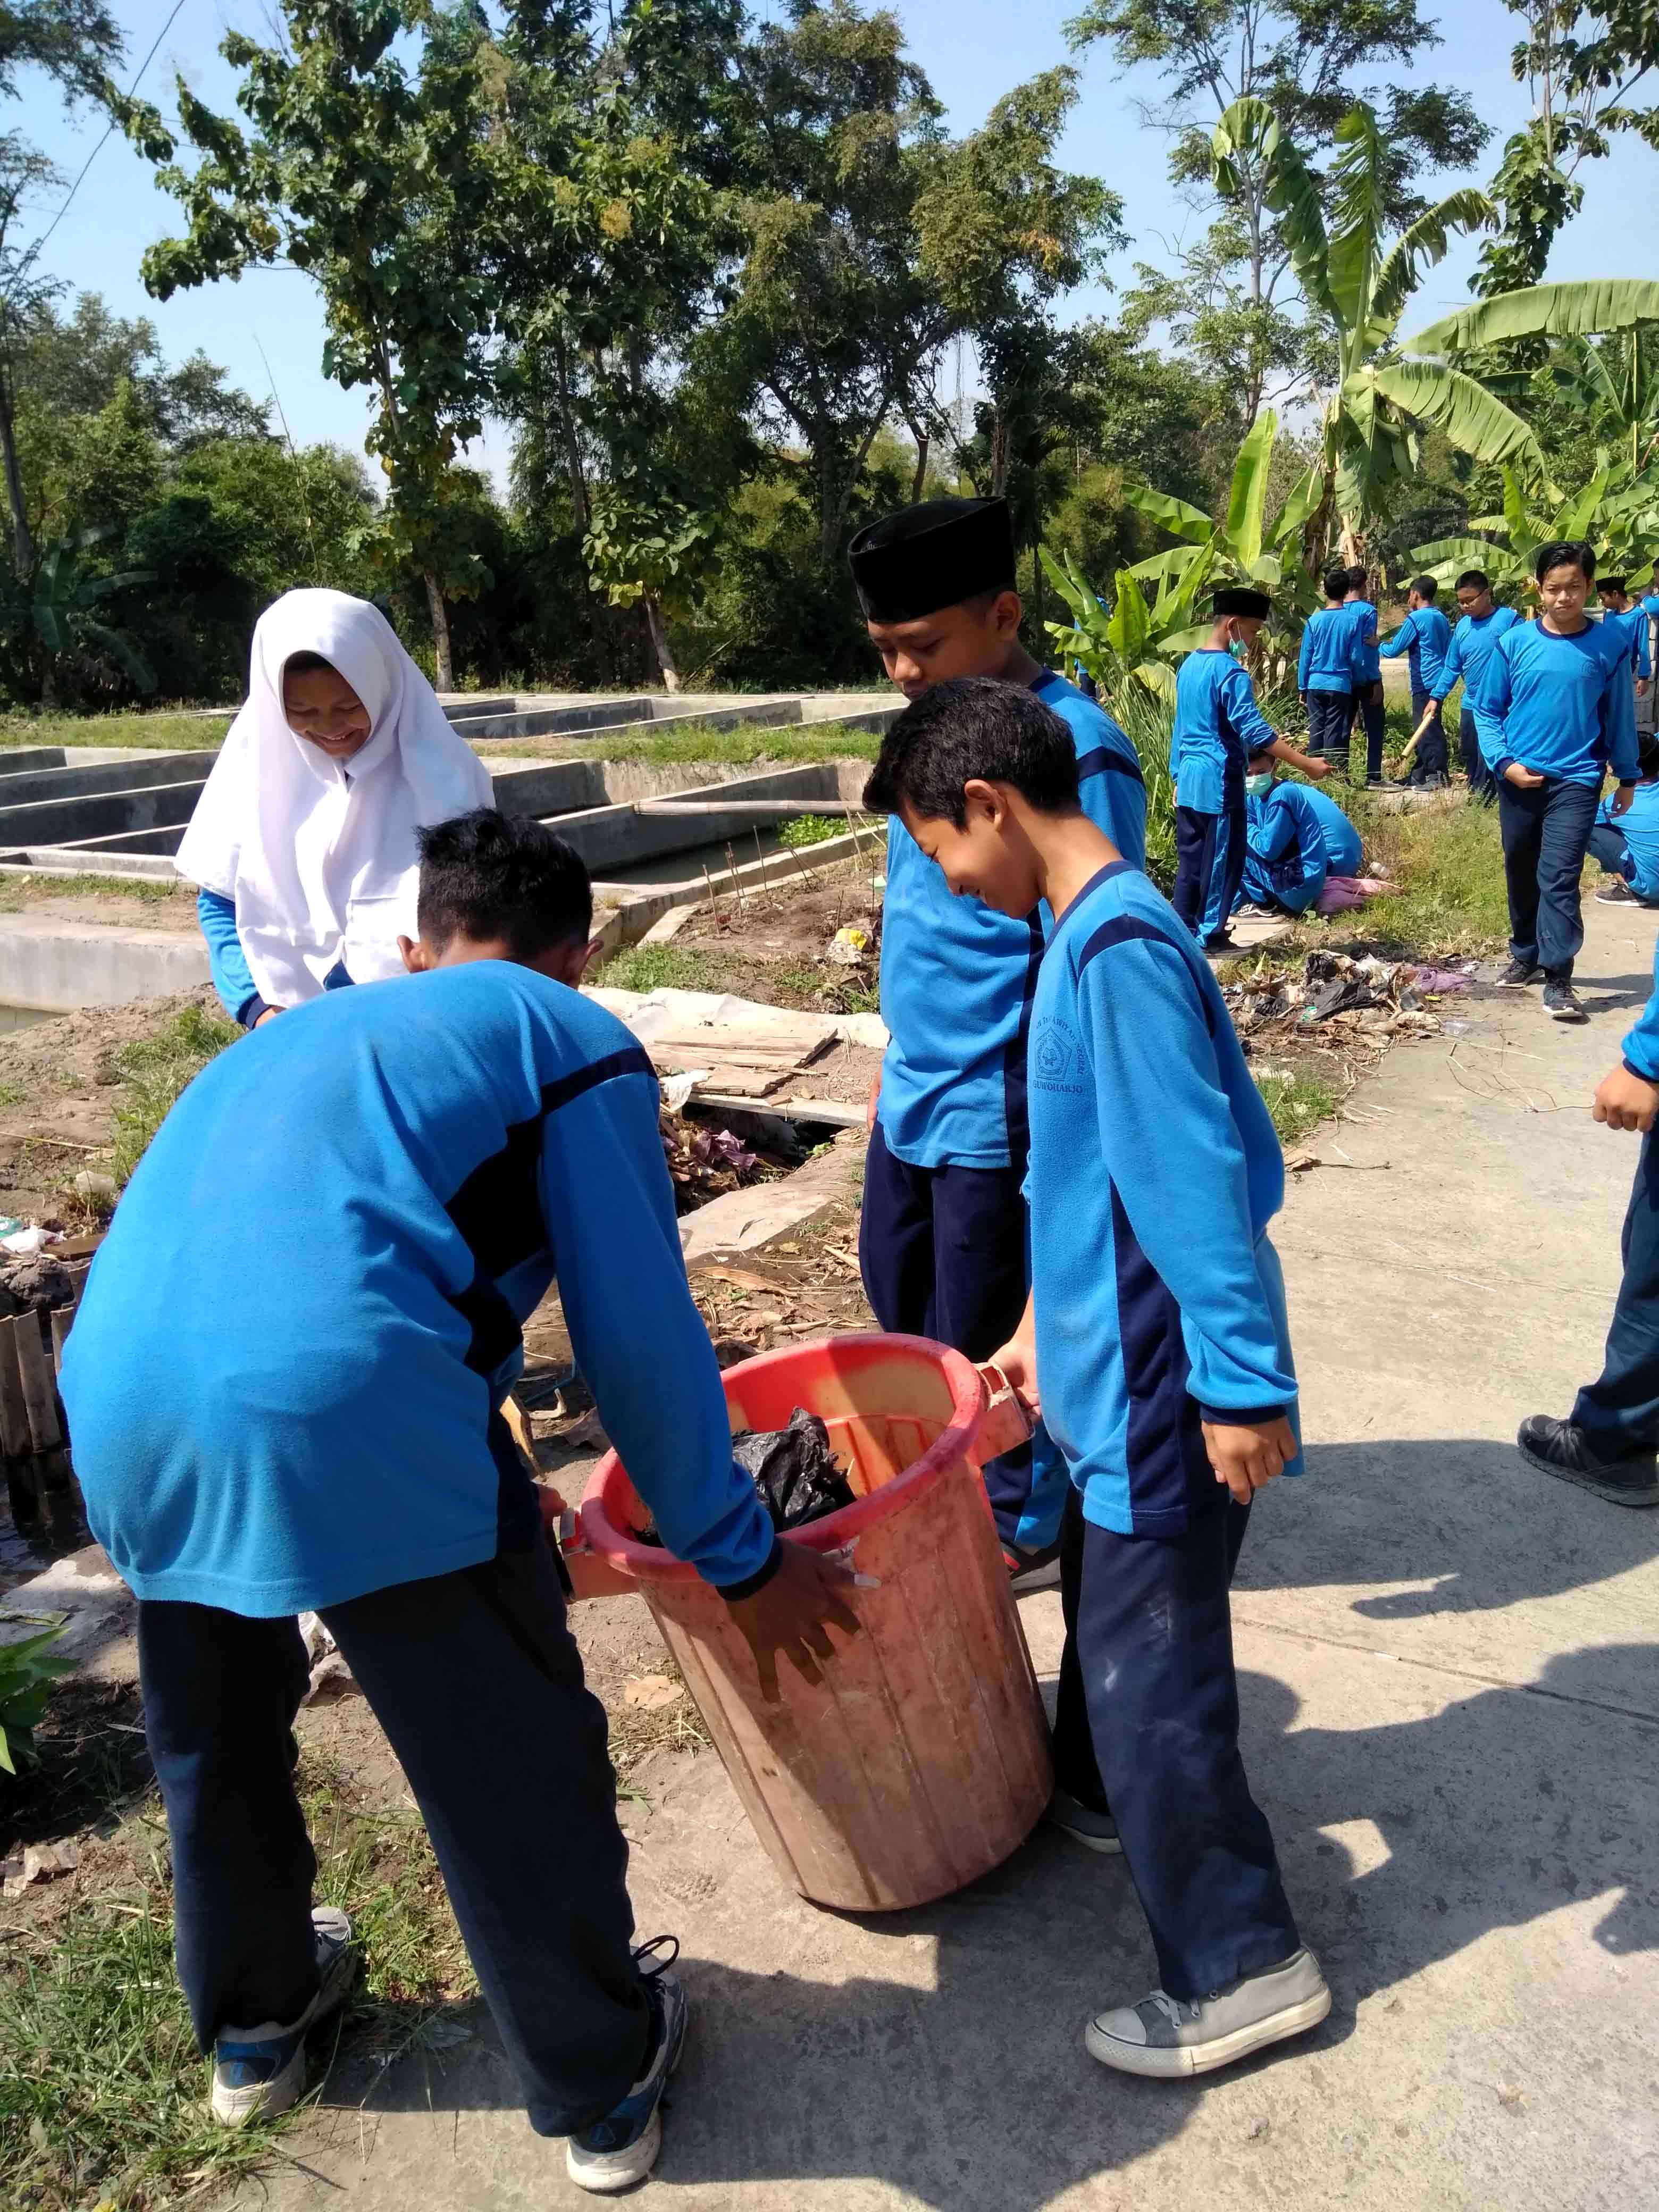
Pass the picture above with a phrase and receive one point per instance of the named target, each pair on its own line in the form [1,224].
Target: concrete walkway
[1451,1708]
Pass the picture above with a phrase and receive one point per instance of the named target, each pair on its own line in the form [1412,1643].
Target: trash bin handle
[591,1574]
[1006,1424]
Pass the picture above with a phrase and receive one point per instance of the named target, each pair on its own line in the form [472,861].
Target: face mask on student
[1258,787]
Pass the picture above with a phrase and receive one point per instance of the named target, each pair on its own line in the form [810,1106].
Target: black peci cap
[1239,599]
[932,556]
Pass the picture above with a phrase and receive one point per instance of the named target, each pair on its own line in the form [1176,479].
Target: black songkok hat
[932,556]
[1238,599]
[1611,583]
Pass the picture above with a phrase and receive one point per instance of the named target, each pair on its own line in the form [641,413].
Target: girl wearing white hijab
[303,840]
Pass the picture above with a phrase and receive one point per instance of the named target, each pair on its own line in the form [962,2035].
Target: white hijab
[318,855]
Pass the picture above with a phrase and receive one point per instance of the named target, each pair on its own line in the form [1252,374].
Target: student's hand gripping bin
[921,1760]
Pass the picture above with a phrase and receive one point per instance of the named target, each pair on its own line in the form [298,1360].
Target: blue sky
[973,50]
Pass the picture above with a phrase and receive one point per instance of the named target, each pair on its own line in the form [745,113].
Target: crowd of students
[285,1381]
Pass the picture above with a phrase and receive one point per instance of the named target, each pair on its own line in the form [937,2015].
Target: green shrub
[810,829]
[26,1671]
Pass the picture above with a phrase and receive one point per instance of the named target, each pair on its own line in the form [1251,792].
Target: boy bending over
[284,1386]
[1155,1342]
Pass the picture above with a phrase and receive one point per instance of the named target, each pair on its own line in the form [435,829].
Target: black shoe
[1616,892]
[1518,974]
[1559,1448]
[1563,1004]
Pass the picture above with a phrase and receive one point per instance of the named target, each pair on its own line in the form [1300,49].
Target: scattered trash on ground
[37,1862]
[849,947]
[331,1672]
[1381,997]
[34,1284]
[705,1162]
[653,1693]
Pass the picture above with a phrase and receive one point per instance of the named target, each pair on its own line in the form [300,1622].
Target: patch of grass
[696,741]
[657,968]
[102,2090]
[159,730]
[12,1093]
[156,1070]
[1297,1103]
[809,830]
[18,891]
[1450,864]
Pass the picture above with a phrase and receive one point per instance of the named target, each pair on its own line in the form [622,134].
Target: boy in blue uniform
[1609,1443]
[1218,725]
[1156,1344]
[1555,712]
[942,1237]
[1362,612]
[1285,859]
[1481,623]
[1627,850]
[1617,607]
[283,1388]
[1424,637]
[1344,852]
[1326,673]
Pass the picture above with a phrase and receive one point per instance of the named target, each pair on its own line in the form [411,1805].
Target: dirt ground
[59,1092]
[156,906]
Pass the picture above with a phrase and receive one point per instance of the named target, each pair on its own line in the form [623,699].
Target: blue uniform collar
[1101,875]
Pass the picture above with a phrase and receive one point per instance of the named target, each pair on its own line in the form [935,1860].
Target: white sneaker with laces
[258,2072]
[1169,2038]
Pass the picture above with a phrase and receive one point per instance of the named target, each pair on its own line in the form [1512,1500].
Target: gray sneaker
[1096,1832]
[1171,2038]
[258,2072]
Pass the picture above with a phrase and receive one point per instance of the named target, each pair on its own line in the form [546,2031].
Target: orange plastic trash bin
[921,1760]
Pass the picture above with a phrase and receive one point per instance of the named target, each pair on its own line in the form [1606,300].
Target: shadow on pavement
[1471,1520]
[959,2077]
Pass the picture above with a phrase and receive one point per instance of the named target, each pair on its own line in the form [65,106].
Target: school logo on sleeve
[1056,1058]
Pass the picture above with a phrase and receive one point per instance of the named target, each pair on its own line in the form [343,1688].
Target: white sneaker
[258,2072]
[1171,2038]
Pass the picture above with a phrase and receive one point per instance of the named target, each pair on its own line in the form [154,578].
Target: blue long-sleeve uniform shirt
[957,978]
[1362,616]
[1154,1173]
[233,978]
[1285,858]
[282,1377]
[1216,721]
[1424,638]
[1641,1046]
[1343,851]
[1328,660]
[1563,707]
[1634,624]
[1639,825]
[1470,647]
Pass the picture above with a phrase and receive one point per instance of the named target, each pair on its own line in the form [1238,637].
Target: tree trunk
[659,645]
[999,454]
[439,613]
[49,698]
[920,483]
[23,537]
[573,457]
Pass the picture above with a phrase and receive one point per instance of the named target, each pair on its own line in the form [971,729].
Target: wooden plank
[14,1439]
[63,1320]
[833,1110]
[38,1394]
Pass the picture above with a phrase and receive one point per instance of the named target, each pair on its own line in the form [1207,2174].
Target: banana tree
[1617,511]
[1143,641]
[55,609]
[1624,379]
[1359,286]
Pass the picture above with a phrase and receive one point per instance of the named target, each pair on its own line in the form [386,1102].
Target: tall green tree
[1358,285]
[1233,295]
[611,160]
[1593,74]
[366,162]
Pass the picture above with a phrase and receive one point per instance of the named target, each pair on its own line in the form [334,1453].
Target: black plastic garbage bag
[794,1469]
